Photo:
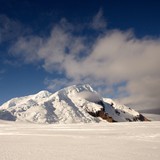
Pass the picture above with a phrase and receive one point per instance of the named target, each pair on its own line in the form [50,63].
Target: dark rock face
[5,115]
[104,115]
[117,112]
[129,120]
[140,117]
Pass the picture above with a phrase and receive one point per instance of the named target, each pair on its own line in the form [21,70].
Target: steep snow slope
[121,113]
[74,104]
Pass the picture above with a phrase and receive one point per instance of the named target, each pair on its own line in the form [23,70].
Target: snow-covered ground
[94,141]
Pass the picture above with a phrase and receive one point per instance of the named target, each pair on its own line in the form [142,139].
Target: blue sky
[111,44]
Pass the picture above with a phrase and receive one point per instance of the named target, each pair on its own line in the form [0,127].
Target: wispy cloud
[10,29]
[2,71]
[126,65]
[98,21]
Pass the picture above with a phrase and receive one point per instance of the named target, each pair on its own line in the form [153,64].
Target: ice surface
[114,141]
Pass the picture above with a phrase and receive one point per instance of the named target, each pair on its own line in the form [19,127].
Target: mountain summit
[74,104]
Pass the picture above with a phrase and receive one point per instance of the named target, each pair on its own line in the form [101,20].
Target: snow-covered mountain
[74,104]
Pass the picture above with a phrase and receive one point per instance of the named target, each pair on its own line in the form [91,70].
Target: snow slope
[74,104]
[104,141]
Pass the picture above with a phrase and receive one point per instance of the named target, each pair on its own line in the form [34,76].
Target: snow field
[122,141]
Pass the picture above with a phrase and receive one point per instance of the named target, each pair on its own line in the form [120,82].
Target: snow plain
[94,141]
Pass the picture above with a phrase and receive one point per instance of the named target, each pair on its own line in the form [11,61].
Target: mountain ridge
[73,104]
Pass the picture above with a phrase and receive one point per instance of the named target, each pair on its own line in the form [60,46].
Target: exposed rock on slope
[74,104]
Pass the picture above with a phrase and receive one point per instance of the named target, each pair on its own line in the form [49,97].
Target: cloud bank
[116,62]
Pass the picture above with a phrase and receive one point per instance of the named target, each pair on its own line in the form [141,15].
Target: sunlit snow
[74,104]
[102,141]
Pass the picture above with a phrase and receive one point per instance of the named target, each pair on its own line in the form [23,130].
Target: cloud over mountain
[127,65]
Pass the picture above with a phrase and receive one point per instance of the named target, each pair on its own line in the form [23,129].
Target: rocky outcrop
[102,115]
[6,115]
[105,116]
[140,117]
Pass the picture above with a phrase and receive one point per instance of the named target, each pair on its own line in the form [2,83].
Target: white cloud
[56,84]
[27,48]
[144,92]
[118,57]
[115,59]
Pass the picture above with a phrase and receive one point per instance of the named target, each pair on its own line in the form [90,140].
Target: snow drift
[74,104]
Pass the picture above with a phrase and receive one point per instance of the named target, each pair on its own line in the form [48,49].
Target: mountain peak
[43,94]
[73,104]
[77,88]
